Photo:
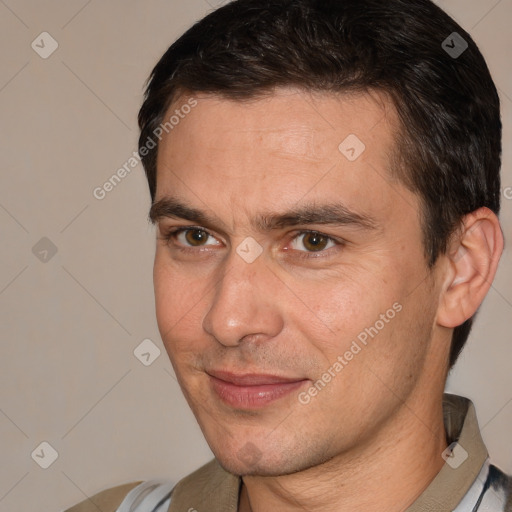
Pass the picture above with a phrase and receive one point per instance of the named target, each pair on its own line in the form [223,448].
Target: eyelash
[173,233]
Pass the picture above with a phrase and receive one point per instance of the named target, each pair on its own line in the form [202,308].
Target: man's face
[298,310]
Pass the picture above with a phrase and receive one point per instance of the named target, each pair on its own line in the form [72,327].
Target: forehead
[301,123]
[279,149]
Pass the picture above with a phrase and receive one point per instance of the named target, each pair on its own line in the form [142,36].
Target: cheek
[177,303]
[366,318]
[166,303]
[343,305]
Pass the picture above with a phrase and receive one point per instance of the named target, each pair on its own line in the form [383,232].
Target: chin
[260,469]
[250,461]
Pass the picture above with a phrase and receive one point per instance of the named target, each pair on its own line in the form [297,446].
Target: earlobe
[472,261]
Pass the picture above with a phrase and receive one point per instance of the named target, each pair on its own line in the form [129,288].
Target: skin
[297,307]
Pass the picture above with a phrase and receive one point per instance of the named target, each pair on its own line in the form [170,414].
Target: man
[325,184]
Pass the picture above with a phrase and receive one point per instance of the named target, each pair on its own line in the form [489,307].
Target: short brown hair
[450,139]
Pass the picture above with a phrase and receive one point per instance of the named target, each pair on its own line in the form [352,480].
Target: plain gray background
[72,320]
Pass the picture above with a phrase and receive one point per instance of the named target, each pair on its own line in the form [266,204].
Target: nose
[244,304]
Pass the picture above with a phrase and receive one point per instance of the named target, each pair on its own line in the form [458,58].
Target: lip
[251,391]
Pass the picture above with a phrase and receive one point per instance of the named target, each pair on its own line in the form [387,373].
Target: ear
[472,260]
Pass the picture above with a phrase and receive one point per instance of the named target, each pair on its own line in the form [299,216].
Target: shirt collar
[461,469]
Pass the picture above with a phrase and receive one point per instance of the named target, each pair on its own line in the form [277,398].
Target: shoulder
[106,501]
[210,478]
[210,486]
[149,495]
[205,474]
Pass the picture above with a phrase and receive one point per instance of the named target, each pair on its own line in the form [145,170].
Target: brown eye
[315,241]
[312,242]
[196,237]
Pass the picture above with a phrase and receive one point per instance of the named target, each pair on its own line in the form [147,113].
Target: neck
[387,474]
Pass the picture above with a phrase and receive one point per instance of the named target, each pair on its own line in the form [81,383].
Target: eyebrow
[312,213]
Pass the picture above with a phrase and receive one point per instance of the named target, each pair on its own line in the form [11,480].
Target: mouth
[251,391]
